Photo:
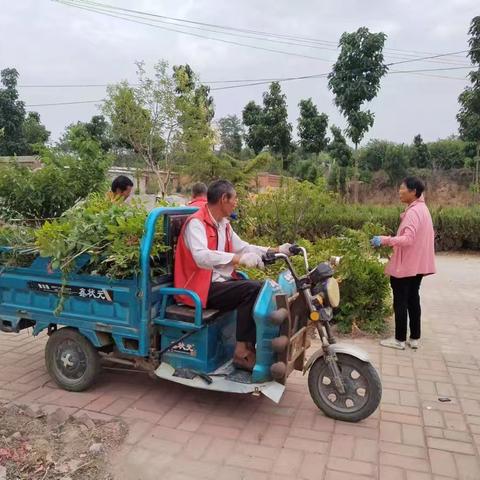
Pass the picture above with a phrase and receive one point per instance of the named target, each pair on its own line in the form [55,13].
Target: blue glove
[234,216]
[376,241]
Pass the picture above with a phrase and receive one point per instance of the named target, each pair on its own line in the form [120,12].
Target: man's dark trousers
[240,295]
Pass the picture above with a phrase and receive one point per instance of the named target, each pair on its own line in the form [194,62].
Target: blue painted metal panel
[145,293]
[287,283]
[266,331]
[205,350]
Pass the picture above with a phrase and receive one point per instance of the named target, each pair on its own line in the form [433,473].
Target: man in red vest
[199,195]
[208,251]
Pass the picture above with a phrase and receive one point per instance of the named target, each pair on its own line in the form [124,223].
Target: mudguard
[346,348]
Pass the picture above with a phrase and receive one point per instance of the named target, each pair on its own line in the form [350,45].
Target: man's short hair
[414,183]
[121,183]
[199,190]
[217,189]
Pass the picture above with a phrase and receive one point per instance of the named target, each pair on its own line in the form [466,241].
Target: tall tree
[12,115]
[395,162]
[253,119]
[188,87]
[275,116]
[371,155]
[146,118]
[312,127]
[355,79]
[469,99]
[34,133]
[231,132]
[100,130]
[342,155]
[97,128]
[269,126]
[420,156]
[196,111]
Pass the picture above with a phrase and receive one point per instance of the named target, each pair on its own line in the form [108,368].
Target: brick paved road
[178,433]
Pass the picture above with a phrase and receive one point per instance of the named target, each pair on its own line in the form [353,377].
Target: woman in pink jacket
[413,258]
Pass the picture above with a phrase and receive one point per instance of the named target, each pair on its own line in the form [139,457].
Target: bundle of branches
[108,232]
[17,245]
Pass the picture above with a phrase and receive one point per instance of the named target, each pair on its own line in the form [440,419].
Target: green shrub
[64,179]
[365,291]
[448,153]
[109,232]
[305,213]
[306,210]
[457,228]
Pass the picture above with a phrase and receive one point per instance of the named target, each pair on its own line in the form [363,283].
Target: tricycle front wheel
[71,360]
[363,388]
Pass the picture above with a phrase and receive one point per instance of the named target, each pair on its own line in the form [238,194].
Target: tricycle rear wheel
[71,359]
[363,388]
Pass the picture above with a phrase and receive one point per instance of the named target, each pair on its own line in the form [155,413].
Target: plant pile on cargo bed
[108,232]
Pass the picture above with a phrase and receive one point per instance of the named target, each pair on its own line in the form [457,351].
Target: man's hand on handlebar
[250,260]
[286,248]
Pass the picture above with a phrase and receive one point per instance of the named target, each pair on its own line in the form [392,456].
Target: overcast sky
[51,43]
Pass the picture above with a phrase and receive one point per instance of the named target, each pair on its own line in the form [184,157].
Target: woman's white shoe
[413,343]
[393,343]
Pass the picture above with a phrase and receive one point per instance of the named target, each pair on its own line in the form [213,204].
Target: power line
[243,80]
[64,103]
[325,75]
[428,58]
[71,85]
[430,70]
[104,9]
[304,77]
[231,42]
[166,19]
[259,82]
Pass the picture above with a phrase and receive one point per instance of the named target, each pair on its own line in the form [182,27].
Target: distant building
[143,179]
[264,180]
[30,161]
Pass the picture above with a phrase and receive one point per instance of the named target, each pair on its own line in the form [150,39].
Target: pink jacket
[413,246]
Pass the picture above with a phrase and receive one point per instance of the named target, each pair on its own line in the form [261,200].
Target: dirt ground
[39,446]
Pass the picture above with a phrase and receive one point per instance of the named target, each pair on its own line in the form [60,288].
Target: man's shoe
[414,344]
[393,343]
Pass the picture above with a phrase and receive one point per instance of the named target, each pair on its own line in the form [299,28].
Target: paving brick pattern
[178,433]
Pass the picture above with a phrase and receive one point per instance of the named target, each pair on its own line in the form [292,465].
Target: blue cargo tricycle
[137,322]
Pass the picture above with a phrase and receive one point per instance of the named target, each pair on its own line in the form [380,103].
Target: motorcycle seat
[185,313]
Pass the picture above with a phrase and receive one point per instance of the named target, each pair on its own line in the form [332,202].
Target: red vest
[197,202]
[187,274]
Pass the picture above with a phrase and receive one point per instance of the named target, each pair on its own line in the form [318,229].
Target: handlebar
[295,250]
[270,257]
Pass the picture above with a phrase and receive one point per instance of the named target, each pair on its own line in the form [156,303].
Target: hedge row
[304,210]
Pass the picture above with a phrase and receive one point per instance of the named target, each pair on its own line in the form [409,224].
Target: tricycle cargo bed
[33,297]
[108,312]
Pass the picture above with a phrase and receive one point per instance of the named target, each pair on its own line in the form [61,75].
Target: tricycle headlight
[333,292]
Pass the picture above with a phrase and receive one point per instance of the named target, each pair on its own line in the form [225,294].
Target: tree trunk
[476,185]
[355,176]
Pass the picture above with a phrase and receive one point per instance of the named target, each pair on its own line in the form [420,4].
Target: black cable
[104,9]
[262,82]
[224,27]
[212,82]
[64,103]
[231,42]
